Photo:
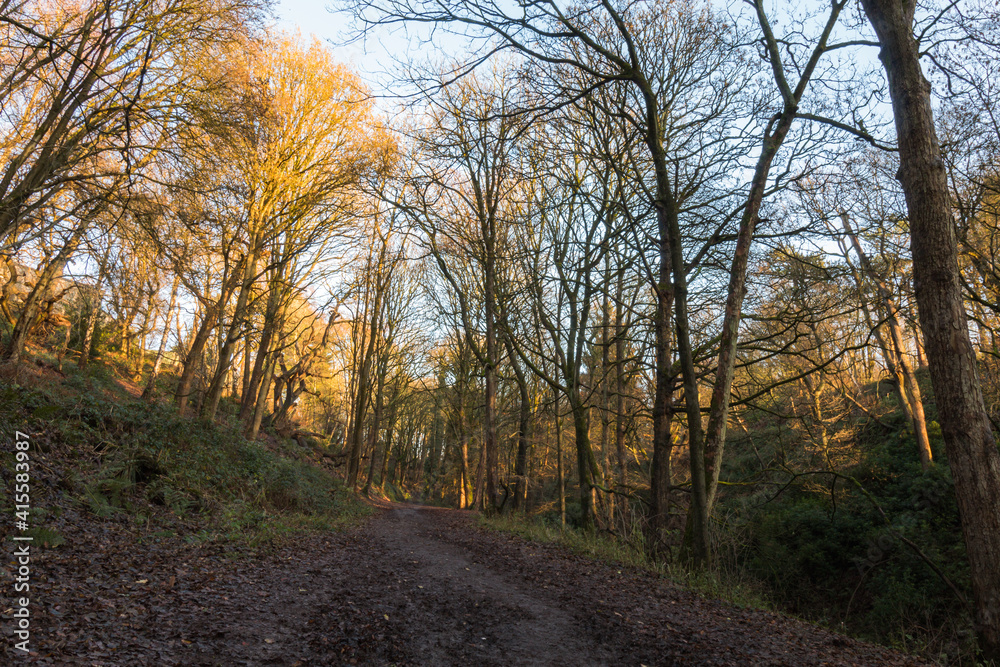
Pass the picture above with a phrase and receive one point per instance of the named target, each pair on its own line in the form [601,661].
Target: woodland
[713,287]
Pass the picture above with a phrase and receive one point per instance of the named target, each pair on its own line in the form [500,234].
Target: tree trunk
[363,392]
[124,332]
[7,289]
[387,448]
[620,399]
[669,319]
[718,418]
[375,425]
[663,401]
[435,440]
[261,404]
[887,356]
[478,496]
[147,392]
[605,401]
[463,462]
[194,357]
[460,423]
[774,137]
[813,391]
[247,371]
[672,290]
[523,430]
[273,319]
[972,450]
[560,473]
[586,463]
[909,389]
[239,360]
[490,408]
[231,337]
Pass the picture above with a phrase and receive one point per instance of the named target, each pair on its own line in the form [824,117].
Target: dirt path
[484,610]
[414,586]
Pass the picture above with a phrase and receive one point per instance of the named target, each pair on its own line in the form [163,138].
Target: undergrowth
[128,460]
[875,550]
[722,583]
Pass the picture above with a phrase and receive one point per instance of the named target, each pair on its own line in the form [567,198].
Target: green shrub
[133,455]
[830,555]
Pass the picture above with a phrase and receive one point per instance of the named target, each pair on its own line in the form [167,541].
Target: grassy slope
[102,454]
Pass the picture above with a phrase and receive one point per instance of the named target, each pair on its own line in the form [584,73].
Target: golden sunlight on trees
[284,178]
[718,282]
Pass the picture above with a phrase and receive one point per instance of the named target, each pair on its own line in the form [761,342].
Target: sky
[375,60]
[315,18]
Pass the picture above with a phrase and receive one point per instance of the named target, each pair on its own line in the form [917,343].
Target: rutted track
[413,586]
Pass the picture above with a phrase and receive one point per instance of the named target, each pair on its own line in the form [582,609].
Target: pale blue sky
[375,60]
[314,18]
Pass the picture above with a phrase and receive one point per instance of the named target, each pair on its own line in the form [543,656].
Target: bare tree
[968,434]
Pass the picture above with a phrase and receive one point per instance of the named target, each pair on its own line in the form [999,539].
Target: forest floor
[411,586]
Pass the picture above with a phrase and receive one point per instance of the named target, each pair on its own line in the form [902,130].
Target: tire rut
[507,615]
